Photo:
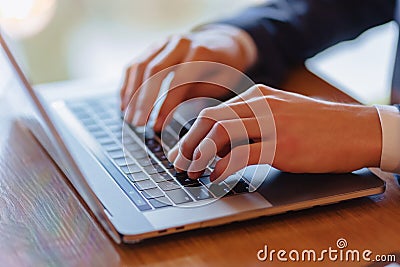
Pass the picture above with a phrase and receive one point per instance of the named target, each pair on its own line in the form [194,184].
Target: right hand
[291,132]
[214,43]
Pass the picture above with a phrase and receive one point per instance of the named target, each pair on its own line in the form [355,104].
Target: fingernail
[181,163]
[192,168]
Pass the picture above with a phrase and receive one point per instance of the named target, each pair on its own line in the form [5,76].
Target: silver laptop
[122,174]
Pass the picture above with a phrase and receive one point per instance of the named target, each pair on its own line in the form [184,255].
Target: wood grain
[42,223]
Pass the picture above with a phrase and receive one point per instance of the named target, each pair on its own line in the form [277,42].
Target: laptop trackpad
[281,188]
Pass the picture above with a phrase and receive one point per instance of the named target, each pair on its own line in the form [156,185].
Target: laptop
[122,174]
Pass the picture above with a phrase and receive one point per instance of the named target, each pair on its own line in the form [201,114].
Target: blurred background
[85,39]
[73,39]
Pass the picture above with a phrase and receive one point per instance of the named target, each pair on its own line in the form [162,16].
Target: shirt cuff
[390,124]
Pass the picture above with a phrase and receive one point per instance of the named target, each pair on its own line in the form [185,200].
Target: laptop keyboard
[141,168]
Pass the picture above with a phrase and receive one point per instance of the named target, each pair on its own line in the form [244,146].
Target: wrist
[247,47]
[370,133]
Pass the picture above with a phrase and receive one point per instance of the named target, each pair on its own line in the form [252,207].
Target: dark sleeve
[287,32]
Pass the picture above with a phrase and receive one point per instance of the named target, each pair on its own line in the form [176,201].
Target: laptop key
[153,169]
[233,180]
[152,193]
[124,161]
[218,190]
[133,168]
[100,134]
[167,164]
[199,193]
[144,185]
[116,128]
[103,115]
[138,200]
[112,122]
[169,185]
[168,139]
[94,128]
[184,180]
[132,147]
[160,202]
[126,139]
[111,147]
[139,154]
[88,122]
[241,187]
[105,140]
[145,162]
[138,176]
[179,196]
[116,154]
[161,177]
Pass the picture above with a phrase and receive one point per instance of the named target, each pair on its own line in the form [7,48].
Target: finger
[242,156]
[134,74]
[207,118]
[229,133]
[197,132]
[146,96]
[195,79]
[185,77]
[220,81]
[255,91]
[124,88]
[174,97]
[134,80]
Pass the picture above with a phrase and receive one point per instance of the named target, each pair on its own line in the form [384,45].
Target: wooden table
[42,222]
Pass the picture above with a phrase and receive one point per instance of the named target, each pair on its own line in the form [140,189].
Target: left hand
[289,131]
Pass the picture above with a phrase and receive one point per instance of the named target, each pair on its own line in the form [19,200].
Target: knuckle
[183,40]
[260,88]
[263,88]
[207,112]
[273,101]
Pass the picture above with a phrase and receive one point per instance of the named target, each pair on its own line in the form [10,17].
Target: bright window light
[24,18]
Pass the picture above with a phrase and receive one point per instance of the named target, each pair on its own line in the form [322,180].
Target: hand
[214,43]
[289,131]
